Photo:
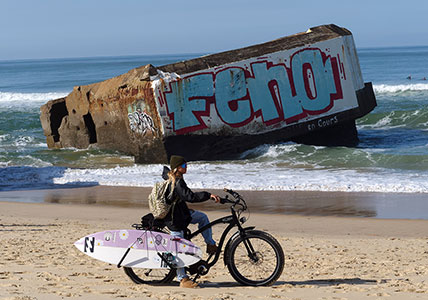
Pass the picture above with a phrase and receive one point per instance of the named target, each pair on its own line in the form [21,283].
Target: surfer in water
[180,216]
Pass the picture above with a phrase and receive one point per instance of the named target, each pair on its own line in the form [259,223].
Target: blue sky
[82,28]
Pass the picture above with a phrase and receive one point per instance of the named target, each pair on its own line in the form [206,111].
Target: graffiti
[321,123]
[139,120]
[286,91]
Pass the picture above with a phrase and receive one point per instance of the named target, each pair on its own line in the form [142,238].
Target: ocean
[392,155]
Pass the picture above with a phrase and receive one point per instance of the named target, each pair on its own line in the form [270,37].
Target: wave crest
[399,88]
[31,97]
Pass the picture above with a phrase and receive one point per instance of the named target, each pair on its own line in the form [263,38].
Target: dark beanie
[176,161]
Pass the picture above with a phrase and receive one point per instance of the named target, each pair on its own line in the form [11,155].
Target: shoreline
[295,225]
[310,203]
[326,257]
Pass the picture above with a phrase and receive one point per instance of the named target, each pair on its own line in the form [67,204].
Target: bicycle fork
[250,250]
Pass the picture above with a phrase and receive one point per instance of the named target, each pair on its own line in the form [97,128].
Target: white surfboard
[147,249]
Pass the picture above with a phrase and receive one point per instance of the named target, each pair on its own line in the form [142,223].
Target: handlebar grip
[226,200]
[232,192]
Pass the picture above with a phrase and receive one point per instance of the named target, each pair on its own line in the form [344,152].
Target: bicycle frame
[232,220]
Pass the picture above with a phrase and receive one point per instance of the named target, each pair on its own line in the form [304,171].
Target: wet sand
[325,257]
[378,205]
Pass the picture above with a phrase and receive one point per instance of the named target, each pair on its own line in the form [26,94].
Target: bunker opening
[90,125]
[58,112]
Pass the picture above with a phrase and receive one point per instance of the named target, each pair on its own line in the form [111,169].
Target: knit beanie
[175,161]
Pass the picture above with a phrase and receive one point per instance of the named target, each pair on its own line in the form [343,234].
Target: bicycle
[253,257]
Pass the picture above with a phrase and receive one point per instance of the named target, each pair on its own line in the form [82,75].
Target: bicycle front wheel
[256,259]
[150,276]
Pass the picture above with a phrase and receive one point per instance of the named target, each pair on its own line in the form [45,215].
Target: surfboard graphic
[147,249]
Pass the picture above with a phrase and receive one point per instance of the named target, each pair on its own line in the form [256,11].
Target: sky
[85,28]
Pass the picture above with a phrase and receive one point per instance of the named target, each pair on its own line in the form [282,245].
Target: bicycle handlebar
[225,200]
[238,199]
[233,193]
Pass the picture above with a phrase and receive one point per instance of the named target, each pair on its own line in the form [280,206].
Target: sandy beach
[326,257]
[358,204]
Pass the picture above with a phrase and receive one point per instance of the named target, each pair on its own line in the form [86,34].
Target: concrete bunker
[306,88]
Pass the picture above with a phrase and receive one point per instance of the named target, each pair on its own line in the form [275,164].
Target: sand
[362,204]
[326,257]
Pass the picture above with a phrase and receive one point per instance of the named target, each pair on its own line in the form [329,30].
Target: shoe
[187,283]
[211,249]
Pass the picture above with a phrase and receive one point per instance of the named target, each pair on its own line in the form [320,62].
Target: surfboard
[147,249]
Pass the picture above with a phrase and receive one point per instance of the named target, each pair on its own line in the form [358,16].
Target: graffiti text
[275,92]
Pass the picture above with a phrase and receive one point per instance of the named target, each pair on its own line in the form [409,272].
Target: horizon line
[177,54]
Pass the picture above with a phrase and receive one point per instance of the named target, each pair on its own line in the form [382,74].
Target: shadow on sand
[317,282]
[329,282]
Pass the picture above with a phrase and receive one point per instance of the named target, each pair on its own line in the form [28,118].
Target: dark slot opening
[58,112]
[89,122]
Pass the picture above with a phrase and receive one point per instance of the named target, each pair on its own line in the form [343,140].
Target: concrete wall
[263,93]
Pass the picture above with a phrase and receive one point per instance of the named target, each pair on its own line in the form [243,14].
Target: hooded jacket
[179,217]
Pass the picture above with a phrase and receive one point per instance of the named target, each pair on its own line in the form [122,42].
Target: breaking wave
[416,119]
[29,97]
[399,88]
[209,176]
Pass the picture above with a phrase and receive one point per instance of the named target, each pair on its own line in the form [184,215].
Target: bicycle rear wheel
[150,276]
[257,259]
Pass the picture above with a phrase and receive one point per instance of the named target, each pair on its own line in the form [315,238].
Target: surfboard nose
[79,242]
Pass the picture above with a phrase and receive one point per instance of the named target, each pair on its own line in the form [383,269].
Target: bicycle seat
[148,222]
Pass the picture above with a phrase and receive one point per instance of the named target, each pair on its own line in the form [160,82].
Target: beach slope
[326,257]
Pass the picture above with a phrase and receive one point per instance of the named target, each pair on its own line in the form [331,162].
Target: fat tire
[169,276]
[253,235]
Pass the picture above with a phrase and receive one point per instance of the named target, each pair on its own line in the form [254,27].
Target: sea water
[392,155]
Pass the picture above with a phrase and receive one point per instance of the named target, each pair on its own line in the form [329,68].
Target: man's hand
[215,198]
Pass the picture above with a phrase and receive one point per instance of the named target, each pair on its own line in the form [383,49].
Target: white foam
[22,141]
[398,88]
[249,176]
[384,122]
[256,176]
[272,151]
[275,151]
[29,97]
